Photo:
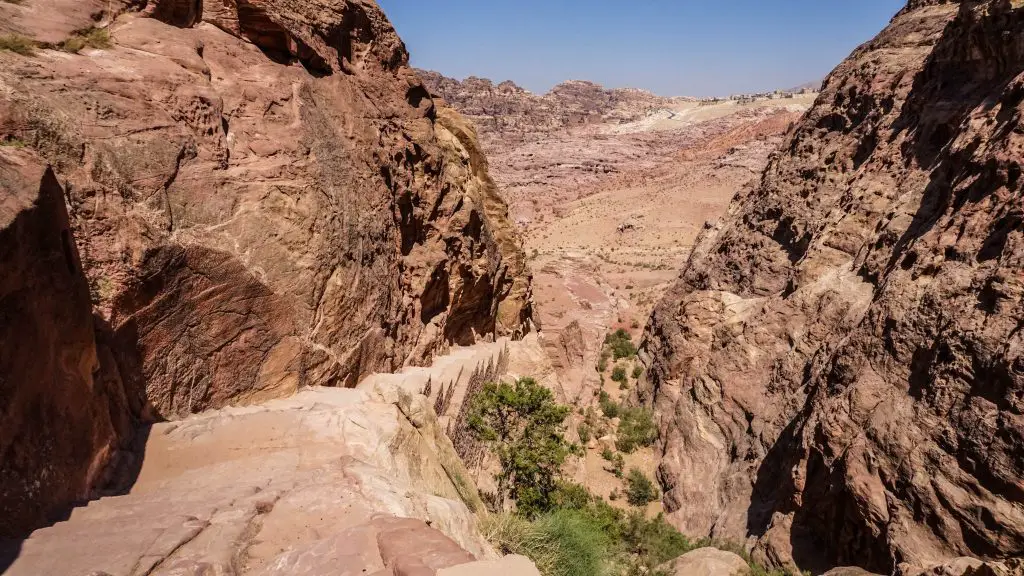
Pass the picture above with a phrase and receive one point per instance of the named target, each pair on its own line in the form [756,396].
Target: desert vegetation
[560,525]
[18,44]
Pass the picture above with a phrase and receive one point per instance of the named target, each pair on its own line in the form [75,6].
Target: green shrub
[636,429]
[654,542]
[607,454]
[608,406]
[571,496]
[73,44]
[638,371]
[563,543]
[91,38]
[584,432]
[18,44]
[640,490]
[524,428]
[624,385]
[602,364]
[619,374]
[618,465]
[621,344]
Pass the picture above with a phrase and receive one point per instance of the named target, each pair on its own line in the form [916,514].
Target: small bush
[584,431]
[623,385]
[602,364]
[91,38]
[636,429]
[618,465]
[619,374]
[607,454]
[13,143]
[571,496]
[621,344]
[18,44]
[640,490]
[564,543]
[73,44]
[654,541]
[608,406]
[638,371]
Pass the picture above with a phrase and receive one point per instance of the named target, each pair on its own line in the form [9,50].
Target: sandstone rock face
[838,370]
[329,481]
[261,196]
[61,418]
[707,562]
[266,198]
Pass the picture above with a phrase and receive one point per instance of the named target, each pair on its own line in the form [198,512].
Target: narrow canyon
[260,278]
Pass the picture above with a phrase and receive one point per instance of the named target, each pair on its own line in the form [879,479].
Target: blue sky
[671,47]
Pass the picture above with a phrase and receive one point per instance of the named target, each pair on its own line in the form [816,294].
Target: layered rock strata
[260,196]
[838,370]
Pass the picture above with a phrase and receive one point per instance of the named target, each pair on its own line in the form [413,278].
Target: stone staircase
[324,482]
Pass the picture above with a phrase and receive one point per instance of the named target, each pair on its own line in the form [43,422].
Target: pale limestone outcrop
[329,481]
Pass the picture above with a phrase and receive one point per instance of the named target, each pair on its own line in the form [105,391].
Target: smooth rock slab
[330,481]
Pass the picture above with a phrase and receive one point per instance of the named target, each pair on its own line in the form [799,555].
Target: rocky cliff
[259,196]
[510,112]
[839,369]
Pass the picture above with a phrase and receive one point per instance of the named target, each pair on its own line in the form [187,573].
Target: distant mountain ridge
[511,110]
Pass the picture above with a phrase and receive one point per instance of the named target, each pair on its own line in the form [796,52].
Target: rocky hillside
[839,369]
[217,203]
[508,111]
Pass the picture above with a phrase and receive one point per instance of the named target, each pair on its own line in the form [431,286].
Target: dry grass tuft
[18,44]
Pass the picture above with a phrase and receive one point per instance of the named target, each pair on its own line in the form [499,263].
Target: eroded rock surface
[329,481]
[707,562]
[261,196]
[838,370]
[61,417]
[266,198]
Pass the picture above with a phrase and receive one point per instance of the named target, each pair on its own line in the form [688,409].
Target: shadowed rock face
[839,368]
[263,196]
[60,416]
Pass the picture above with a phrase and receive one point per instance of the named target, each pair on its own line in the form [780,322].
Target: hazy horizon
[670,48]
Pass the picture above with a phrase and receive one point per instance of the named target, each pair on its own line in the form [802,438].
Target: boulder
[707,562]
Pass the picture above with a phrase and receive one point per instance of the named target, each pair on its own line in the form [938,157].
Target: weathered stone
[61,418]
[314,484]
[264,197]
[839,368]
[707,562]
[508,566]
